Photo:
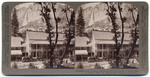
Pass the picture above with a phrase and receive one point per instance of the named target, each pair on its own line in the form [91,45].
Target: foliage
[45,12]
[14,24]
[134,32]
[32,66]
[46,64]
[80,66]
[69,31]
[112,13]
[80,25]
[14,65]
[97,66]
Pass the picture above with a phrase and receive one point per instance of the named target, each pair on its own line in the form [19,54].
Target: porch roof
[100,35]
[81,52]
[35,35]
[43,42]
[109,42]
[16,52]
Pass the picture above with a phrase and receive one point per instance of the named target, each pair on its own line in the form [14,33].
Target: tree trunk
[131,52]
[51,62]
[66,49]
[134,39]
[117,57]
[51,58]
[117,62]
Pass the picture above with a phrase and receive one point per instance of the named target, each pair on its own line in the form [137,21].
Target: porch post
[102,50]
[36,50]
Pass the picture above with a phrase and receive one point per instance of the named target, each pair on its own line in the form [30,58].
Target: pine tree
[14,24]
[80,27]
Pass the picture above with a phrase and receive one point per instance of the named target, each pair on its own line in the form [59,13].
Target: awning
[39,42]
[81,52]
[16,52]
[83,46]
[44,42]
[110,42]
[17,46]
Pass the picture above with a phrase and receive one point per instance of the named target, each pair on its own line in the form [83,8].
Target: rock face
[95,17]
[30,19]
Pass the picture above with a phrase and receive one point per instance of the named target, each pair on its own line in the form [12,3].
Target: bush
[80,66]
[97,66]
[46,64]
[32,66]
[14,65]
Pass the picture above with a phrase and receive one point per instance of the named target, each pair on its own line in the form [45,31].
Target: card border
[143,47]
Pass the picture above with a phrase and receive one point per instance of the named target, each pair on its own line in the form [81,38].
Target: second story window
[81,48]
[99,46]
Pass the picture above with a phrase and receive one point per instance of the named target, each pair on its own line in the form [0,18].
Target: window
[77,48]
[104,46]
[105,54]
[99,54]
[38,46]
[81,48]
[15,48]
[99,46]
[33,54]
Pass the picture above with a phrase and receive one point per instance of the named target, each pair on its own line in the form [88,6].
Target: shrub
[32,66]
[97,66]
[14,65]
[46,64]
[80,66]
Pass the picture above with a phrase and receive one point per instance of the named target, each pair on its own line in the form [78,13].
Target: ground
[25,65]
[38,64]
[89,65]
[70,65]
[103,65]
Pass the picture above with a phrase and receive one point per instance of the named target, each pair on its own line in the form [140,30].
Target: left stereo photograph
[42,36]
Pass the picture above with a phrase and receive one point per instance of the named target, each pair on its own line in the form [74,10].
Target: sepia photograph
[107,36]
[48,35]
[42,36]
[75,38]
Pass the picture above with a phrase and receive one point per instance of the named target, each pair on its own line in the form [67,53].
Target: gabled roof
[35,35]
[16,41]
[105,35]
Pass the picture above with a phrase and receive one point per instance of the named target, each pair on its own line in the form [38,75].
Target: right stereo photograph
[107,36]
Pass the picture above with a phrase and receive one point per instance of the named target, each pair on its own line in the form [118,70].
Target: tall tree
[70,31]
[45,12]
[134,32]
[80,26]
[112,12]
[14,24]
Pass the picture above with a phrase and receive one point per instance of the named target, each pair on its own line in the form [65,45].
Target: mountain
[96,19]
[29,17]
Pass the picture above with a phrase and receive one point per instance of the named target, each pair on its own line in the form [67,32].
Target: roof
[42,35]
[81,52]
[81,41]
[16,41]
[16,52]
[43,42]
[106,35]
[110,42]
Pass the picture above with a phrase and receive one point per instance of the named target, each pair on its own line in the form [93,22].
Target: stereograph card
[75,38]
